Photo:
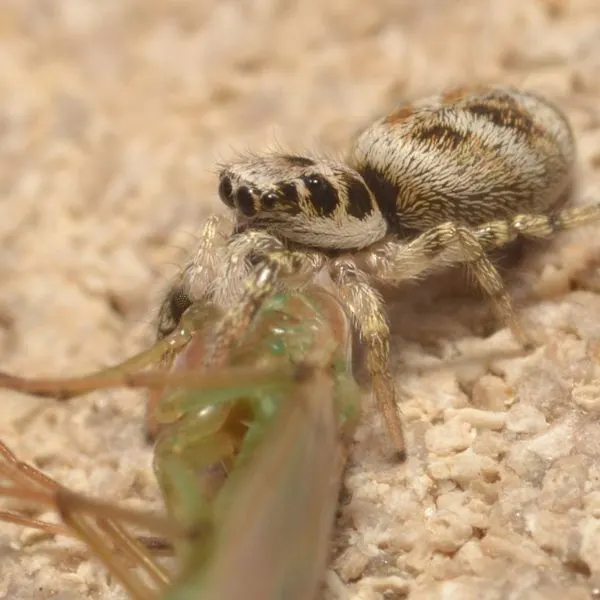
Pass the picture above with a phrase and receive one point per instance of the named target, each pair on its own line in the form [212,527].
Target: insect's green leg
[201,445]
[188,506]
[348,400]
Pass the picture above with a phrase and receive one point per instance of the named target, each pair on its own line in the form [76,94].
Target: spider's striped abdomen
[468,156]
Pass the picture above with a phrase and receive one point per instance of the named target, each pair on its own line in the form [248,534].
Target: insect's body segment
[440,182]
[273,541]
[248,458]
[214,435]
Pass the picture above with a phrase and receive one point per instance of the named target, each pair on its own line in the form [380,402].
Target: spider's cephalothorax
[315,203]
[441,181]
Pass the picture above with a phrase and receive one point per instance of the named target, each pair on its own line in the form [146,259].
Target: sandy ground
[113,117]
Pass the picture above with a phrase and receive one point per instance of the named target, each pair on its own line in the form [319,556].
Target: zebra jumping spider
[441,181]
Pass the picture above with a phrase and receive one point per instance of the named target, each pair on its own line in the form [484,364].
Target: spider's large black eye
[226,190]
[323,195]
[244,200]
[268,200]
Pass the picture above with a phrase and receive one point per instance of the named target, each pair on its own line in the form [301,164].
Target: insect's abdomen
[469,156]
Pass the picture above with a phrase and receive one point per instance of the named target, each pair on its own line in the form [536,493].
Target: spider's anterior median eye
[226,190]
[244,200]
[268,200]
[323,195]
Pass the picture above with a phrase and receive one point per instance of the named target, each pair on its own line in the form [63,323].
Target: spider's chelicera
[437,182]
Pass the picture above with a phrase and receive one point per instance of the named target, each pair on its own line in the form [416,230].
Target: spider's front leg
[365,306]
[273,263]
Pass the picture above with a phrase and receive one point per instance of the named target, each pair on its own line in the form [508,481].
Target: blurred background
[114,116]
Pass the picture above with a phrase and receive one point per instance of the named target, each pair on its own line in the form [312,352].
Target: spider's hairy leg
[194,281]
[195,277]
[271,267]
[541,226]
[366,309]
[394,261]
[445,244]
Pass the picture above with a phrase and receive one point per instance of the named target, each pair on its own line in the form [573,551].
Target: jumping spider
[437,182]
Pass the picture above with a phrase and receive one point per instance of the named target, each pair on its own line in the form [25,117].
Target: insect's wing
[273,538]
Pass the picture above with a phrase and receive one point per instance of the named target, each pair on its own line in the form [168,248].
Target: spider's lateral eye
[323,195]
[244,200]
[288,191]
[315,183]
[226,190]
[268,200]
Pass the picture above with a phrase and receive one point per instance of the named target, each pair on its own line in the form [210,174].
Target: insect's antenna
[119,375]
[63,389]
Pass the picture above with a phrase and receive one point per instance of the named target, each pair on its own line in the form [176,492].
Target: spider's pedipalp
[194,279]
[272,271]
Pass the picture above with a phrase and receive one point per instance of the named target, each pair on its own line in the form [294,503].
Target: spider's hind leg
[451,243]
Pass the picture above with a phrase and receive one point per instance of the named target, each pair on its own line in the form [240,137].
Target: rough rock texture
[113,116]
